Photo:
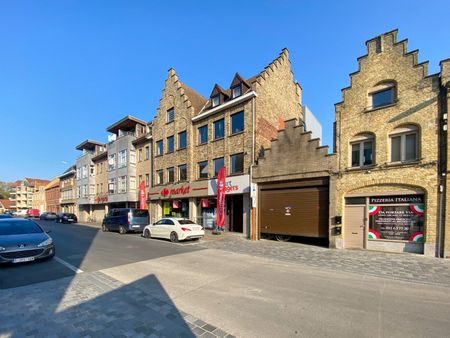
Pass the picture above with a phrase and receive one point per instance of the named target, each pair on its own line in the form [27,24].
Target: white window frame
[215,100]
[111,162]
[112,183]
[132,183]
[361,140]
[170,115]
[402,132]
[122,184]
[122,159]
[233,93]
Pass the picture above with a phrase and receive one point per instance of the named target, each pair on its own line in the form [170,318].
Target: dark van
[125,220]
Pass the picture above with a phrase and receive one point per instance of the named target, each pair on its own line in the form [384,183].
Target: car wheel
[147,233]
[282,238]
[173,237]
[104,228]
[122,230]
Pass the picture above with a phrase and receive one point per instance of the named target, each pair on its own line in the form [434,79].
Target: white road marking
[68,265]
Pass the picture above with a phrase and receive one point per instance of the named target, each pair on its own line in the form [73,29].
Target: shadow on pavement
[93,305]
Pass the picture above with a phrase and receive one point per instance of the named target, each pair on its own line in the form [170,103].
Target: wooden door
[354,228]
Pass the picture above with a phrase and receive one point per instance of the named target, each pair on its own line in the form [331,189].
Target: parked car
[48,216]
[175,229]
[5,216]
[34,213]
[65,217]
[20,213]
[23,240]
[125,220]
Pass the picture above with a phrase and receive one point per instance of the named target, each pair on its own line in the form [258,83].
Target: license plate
[24,259]
[135,226]
[70,219]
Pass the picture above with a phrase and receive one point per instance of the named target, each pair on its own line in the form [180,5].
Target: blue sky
[68,69]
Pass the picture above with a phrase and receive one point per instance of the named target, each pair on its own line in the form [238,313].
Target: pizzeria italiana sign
[400,199]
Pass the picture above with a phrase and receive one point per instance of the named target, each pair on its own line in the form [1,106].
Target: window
[132,183]
[383,94]
[159,176]
[132,156]
[122,184]
[362,150]
[170,115]
[215,100]
[122,159]
[92,189]
[219,129]
[236,91]
[404,144]
[159,148]
[203,169]
[91,170]
[203,134]
[101,187]
[147,152]
[171,174]
[140,179]
[218,163]
[140,155]
[147,180]
[170,144]
[84,171]
[111,162]
[182,140]
[182,172]
[237,122]
[78,173]
[237,163]
[112,186]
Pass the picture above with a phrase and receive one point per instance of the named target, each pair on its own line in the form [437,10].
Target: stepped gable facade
[387,145]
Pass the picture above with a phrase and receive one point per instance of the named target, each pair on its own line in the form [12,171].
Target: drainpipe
[442,167]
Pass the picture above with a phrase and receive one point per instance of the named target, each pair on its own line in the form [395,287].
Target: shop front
[388,223]
[176,200]
[237,204]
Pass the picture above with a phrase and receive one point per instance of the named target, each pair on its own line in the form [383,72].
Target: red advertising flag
[220,214]
[142,195]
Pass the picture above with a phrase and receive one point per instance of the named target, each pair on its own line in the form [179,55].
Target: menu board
[396,222]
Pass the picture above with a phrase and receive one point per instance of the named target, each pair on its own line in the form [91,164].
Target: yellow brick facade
[416,104]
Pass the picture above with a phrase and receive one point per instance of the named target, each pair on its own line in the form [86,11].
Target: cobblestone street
[406,267]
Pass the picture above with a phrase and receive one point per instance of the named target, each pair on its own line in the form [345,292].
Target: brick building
[194,137]
[68,188]
[52,196]
[21,196]
[295,185]
[387,144]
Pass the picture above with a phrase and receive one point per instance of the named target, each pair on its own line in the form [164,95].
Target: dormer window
[236,91]
[170,115]
[215,100]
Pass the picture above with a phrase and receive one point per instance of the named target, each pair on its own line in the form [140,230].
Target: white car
[175,229]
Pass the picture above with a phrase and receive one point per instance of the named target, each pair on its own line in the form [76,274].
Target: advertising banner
[396,222]
[142,195]
[221,190]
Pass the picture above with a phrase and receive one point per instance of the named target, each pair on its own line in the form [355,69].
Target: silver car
[23,240]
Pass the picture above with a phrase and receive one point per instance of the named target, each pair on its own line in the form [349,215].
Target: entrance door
[354,226]
[235,213]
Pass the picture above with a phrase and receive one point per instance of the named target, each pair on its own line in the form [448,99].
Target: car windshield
[185,221]
[18,228]
[140,213]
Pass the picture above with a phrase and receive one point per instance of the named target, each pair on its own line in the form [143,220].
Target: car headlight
[46,242]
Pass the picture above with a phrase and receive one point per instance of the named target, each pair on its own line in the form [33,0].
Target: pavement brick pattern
[95,305]
[396,266]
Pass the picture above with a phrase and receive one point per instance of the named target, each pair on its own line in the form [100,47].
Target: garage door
[295,211]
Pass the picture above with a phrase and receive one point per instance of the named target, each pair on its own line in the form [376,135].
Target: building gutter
[254,223]
[224,106]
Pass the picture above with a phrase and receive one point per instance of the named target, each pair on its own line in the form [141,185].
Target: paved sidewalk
[96,305]
[407,267]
